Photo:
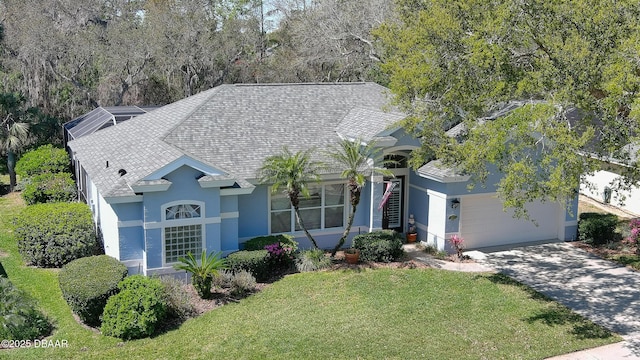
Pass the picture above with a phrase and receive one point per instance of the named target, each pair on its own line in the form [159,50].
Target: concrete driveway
[600,290]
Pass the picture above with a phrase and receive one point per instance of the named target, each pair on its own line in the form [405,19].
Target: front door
[392,210]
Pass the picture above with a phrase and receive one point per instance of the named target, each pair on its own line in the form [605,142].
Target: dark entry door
[392,210]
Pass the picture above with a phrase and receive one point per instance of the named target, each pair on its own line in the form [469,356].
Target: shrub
[177,300]
[259,243]
[254,262]
[634,234]
[202,273]
[312,260]
[280,257]
[597,229]
[88,283]
[242,283]
[382,246]
[19,318]
[51,235]
[223,280]
[45,188]
[43,160]
[136,310]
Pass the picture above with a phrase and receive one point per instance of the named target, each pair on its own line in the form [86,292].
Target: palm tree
[358,160]
[14,130]
[292,172]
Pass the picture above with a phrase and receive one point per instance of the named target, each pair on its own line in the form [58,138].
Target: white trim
[122,199]
[571,223]
[422,226]
[150,187]
[424,190]
[216,183]
[229,215]
[437,194]
[130,223]
[182,161]
[182,222]
[236,191]
[393,149]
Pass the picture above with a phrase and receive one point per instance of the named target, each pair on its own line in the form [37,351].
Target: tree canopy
[459,61]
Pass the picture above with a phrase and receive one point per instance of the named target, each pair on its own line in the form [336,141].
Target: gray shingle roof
[367,123]
[230,127]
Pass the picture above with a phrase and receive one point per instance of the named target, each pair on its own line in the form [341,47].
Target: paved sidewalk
[600,290]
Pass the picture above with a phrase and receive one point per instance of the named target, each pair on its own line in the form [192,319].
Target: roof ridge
[301,84]
[186,116]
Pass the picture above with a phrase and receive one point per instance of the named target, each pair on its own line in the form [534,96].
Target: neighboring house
[603,185]
[183,177]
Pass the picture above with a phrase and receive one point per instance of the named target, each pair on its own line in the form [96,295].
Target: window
[180,240]
[323,209]
[184,231]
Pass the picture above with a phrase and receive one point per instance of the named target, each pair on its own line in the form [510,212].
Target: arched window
[183,230]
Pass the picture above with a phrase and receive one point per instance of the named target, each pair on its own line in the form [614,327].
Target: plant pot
[412,237]
[352,256]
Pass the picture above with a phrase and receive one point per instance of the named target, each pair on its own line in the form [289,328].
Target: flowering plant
[280,255]
[634,235]
[457,242]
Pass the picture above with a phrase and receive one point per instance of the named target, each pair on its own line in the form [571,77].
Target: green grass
[384,313]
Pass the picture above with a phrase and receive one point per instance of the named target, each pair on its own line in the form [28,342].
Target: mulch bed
[604,251]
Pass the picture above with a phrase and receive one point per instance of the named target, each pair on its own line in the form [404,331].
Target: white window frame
[293,222]
[168,223]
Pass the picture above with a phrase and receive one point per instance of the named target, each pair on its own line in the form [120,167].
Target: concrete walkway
[600,290]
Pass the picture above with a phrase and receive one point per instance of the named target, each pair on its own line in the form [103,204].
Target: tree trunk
[11,166]
[346,232]
[301,224]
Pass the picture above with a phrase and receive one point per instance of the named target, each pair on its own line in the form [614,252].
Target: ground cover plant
[388,313]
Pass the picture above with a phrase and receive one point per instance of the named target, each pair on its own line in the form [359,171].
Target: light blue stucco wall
[131,232]
[184,188]
[254,213]
[419,203]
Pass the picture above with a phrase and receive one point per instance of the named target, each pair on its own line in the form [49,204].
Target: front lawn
[382,313]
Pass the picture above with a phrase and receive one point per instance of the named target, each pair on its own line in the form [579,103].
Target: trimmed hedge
[53,234]
[19,318]
[43,160]
[46,188]
[258,243]
[256,262]
[136,310]
[597,229]
[380,246]
[88,283]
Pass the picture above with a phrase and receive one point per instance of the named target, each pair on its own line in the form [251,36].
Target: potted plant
[412,233]
[352,255]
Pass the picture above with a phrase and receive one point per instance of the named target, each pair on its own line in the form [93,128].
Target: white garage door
[484,223]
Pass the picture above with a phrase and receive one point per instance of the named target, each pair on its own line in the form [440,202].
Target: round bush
[53,234]
[19,318]
[88,283]
[45,188]
[380,246]
[259,243]
[43,160]
[136,310]
[256,262]
[597,229]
